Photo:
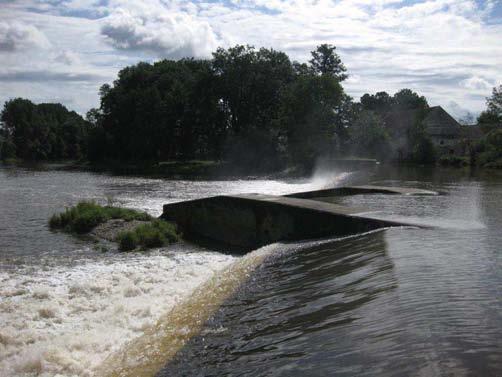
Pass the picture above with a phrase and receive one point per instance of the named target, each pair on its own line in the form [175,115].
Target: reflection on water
[296,314]
[418,302]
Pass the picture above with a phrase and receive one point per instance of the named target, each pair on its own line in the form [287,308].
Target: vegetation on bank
[43,132]
[252,108]
[87,215]
[153,234]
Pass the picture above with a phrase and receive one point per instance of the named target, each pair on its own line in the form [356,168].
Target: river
[402,301]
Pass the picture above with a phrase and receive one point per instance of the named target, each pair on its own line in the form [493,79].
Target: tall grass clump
[154,234]
[86,215]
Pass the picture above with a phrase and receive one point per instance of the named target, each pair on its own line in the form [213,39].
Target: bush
[86,215]
[127,241]
[154,234]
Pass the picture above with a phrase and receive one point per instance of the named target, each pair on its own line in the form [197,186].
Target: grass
[154,234]
[86,215]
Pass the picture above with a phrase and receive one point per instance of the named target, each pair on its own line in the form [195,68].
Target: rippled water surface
[398,302]
[404,301]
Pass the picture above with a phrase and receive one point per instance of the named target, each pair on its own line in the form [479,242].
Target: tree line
[252,107]
[47,131]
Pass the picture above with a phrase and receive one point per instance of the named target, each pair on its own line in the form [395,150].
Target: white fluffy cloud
[477,83]
[448,50]
[15,36]
[173,35]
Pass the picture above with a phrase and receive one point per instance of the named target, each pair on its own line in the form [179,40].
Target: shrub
[154,234]
[127,240]
[86,215]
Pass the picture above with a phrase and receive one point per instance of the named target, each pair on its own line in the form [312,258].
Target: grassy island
[130,228]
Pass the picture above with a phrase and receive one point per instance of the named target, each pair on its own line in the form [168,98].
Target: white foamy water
[64,307]
[65,320]
[131,192]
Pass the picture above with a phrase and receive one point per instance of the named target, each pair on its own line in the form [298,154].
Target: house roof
[439,123]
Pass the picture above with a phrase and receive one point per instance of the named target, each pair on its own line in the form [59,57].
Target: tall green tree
[308,117]
[491,118]
[407,99]
[251,83]
[325,61]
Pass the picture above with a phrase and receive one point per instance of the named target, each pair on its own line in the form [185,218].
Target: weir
[249,221]
[359,190]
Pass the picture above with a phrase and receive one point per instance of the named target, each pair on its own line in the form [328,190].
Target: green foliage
[382,102]
[154,234]
[369,138]
[411,143]
[308,120]
[325,61]
[83,217]
[233,107]
[491,118]
[7,149]
[46,131]
[491,149]
[168,110]
[423,150]
[127,241]
[407,99]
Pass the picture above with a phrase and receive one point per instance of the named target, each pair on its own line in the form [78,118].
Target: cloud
[15,36]
[47,76]
[172,35]
[447,50]
[476,83]
[67,57]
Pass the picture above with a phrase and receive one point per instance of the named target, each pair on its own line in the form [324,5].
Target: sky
[64,50]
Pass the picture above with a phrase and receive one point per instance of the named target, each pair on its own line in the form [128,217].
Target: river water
[402,301]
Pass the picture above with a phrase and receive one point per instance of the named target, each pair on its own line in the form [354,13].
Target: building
[442,128]
[447,135]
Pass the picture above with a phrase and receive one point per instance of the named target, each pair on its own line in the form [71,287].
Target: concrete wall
[250,221]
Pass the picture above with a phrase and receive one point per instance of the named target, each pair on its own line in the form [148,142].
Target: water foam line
[147,354]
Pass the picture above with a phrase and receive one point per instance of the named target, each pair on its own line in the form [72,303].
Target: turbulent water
[401,301]
[64,306]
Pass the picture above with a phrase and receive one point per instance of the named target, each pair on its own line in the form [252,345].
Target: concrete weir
[252,220]
[359,190]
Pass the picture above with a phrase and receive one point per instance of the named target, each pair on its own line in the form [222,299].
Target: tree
[368,136]
[420,144]
[325,61]
[491,118]
[495,101]
[308,118]
[380,102]
[250,106]
[407,99]
[46,131]
[250,84]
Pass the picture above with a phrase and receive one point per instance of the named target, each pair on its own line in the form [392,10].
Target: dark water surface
[400,302]
[397,302]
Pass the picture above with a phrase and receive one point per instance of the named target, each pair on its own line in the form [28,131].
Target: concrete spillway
[359,190]
[252,220]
